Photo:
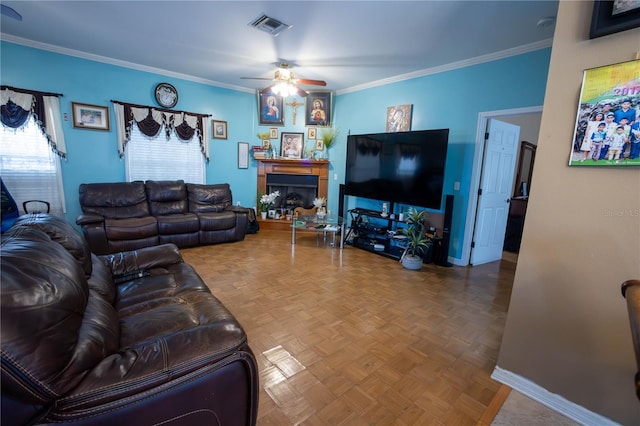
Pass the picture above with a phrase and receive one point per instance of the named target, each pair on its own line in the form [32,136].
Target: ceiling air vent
[269,25]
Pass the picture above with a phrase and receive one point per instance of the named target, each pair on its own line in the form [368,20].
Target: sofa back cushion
[118,200]
[166,197]
[209,198]
[60,231]
[53,328]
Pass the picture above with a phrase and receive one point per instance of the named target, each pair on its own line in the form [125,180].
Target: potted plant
[417,240]
[265,201]
[329,138]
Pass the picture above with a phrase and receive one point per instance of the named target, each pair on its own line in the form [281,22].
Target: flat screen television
[404,167]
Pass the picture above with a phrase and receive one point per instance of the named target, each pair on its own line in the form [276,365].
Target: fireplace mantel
[319,168]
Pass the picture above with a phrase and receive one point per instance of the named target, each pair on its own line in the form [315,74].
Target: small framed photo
[243,155]
[610,17]
[266,143]
[270,108]
[219,129]
[273,133]
[319,145]
[318,108]
[291,145]
[399,118]
[271,214]
[93,117]
[312,133]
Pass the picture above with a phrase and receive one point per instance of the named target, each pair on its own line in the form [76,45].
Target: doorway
[528,119]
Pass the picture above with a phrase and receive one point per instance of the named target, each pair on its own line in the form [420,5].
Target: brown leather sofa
[128,338]
[130,215]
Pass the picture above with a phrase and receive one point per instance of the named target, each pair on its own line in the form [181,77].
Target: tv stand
[373,232]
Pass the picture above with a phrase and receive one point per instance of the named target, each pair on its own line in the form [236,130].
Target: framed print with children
[607,129]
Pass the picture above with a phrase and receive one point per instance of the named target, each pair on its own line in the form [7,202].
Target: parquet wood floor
[352,338]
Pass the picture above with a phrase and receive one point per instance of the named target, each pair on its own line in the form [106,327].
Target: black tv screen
[403,167]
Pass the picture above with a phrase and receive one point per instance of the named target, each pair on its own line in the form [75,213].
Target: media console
[372,231]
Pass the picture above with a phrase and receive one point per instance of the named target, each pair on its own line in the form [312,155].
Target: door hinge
[479,191]
[473,244]
[486,136]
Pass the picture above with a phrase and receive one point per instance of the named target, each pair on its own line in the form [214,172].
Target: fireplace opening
[295,190]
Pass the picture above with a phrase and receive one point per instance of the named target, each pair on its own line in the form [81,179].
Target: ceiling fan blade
[11,13]
[255,78]
[312,82]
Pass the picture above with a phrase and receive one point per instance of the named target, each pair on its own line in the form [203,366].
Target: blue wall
[452,100]
[449,99]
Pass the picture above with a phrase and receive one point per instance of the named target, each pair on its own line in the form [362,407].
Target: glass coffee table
[320,224]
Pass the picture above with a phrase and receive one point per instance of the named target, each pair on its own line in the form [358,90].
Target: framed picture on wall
[219,129]
[270,108]
[399,118]
[610,17]
[607,128]
[319,107]
[243,155]
[92,117]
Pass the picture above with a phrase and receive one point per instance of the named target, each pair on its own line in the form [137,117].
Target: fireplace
[303,180]
[295,190]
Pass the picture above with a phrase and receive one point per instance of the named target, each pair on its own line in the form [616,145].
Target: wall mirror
[525,169]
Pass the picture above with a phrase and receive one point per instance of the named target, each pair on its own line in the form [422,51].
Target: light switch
[335,176]
[456,186]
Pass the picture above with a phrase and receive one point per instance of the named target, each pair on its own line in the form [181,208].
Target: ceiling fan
[285,83]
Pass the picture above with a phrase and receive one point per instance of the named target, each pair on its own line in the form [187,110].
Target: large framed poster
[607,130]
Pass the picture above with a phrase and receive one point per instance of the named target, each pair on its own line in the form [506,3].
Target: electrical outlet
[335,176]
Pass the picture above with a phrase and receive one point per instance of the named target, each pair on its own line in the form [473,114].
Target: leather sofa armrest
[88,218]
[138,262]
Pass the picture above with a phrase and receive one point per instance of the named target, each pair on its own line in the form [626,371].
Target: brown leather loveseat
[130,215]
[129,338]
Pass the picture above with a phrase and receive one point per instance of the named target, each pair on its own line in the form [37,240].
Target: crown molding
[532,47]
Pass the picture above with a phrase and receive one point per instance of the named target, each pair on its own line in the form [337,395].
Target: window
[160,159]
[29,168]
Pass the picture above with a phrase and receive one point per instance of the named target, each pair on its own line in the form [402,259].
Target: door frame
[476,172]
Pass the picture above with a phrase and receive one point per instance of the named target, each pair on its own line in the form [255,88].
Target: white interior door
[495,184]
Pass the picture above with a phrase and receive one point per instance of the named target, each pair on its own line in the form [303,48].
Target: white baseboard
[553,401]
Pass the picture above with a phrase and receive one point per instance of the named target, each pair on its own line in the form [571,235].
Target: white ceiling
[349,44]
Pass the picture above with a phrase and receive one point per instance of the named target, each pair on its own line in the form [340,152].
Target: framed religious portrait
[399,118]
[273,133]
[607,129]
[92,117]
[318,109]
[219,129]
[291,145]
[610,17]
[270,108]
[312,133]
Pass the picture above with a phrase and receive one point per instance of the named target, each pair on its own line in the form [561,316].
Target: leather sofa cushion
[182,223]
[131,228]
[217,221]
[119,200]
[209,198]
[166,197]
[52,325]
[60,231]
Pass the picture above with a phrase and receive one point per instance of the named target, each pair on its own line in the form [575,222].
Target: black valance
[151,121]
[18,105]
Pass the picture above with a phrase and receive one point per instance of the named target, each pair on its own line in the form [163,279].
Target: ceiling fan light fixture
[283,89]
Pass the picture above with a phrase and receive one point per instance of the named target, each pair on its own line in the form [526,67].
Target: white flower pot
[412,262]
[263,215]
